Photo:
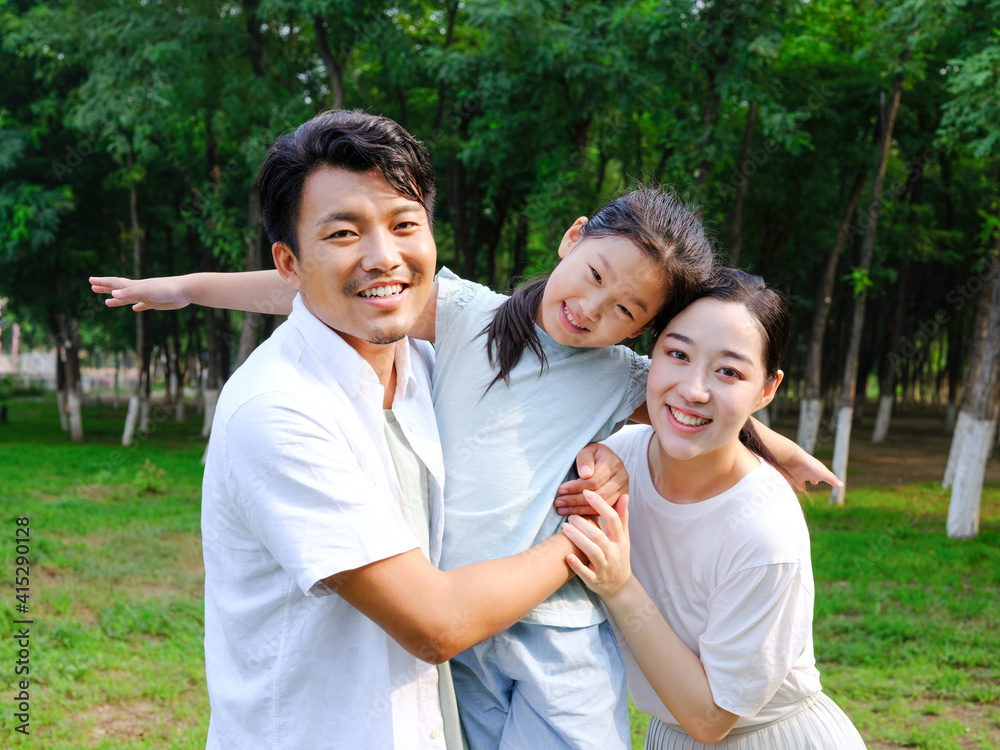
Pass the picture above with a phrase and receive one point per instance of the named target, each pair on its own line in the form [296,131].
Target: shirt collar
[341,361]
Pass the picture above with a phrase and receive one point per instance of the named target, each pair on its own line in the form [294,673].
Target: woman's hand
[164,293]
[601,471]
[607,548]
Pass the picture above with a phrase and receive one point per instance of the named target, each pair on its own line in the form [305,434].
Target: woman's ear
[769,390]
[287,264]
[573,236]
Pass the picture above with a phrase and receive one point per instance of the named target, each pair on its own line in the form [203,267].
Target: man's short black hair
[342,139]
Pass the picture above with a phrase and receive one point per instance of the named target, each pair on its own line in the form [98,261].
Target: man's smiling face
[366,256]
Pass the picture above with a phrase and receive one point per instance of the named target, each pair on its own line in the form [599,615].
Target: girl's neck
[693,480]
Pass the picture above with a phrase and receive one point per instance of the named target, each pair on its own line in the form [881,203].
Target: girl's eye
[625,310]
[597,276]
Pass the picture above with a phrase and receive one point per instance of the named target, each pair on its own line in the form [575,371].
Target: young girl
[520,385]
[706,568]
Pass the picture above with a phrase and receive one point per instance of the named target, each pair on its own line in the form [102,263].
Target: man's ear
[287,264]
[769,390]
[573,236]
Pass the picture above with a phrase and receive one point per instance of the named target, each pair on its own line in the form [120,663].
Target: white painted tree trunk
[810,414]
[882,420]
[963,511]
[144,407]
[950,416]
[957,441]
[841,449]
[211,399]
[763,416]
[179,407]
[131,419]
[62,404]
[75,420]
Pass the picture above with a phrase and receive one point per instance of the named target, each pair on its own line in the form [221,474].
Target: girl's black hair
[656,223]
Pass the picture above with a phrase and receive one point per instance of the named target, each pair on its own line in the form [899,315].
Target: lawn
[907,621]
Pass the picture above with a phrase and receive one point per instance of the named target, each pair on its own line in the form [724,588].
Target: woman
[710,582]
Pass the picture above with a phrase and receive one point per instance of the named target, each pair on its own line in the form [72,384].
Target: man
[322,503]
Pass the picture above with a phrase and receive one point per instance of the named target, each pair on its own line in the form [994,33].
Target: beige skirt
[818,725]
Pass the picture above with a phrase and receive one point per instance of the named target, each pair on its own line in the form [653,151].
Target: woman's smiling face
[706,378]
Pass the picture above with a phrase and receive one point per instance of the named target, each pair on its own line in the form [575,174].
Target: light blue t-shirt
[506,451]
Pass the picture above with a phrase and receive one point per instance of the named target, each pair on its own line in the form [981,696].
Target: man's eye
[340,234]
[406,225]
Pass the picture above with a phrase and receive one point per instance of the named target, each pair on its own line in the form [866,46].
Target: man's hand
[601,471]
[165,293]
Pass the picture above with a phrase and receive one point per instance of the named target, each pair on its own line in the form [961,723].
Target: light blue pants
[539,686]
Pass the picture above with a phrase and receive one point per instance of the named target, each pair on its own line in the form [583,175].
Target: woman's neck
[703,477]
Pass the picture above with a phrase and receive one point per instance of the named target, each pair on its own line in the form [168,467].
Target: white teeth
[571,319]
[382,291]
[688,420]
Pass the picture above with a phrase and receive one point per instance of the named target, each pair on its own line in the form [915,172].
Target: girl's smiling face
[604,290]
[706,378]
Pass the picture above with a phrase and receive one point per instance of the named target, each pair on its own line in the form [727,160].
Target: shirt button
[435,734]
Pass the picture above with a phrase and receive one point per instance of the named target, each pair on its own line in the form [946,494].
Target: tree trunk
[887,383]
[811,410]
[251,321]
[846,406]
[736,217]
[140,320]
[980,411]
[61,400]
[334,68]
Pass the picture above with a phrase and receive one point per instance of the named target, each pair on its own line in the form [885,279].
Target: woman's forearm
[673,670]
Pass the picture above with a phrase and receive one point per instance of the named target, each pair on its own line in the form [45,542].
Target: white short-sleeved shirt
[506,451]
[300,485]
[732,575]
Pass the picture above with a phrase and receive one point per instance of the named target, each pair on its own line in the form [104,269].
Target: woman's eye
[729,372]
[597,276]
[676,354]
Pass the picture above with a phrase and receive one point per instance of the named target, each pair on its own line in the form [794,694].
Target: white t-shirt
[732,575]
[506,451]
[300,485]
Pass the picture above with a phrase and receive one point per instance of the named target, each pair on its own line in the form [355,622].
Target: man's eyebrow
[729,353]
[610,271]
[351,216]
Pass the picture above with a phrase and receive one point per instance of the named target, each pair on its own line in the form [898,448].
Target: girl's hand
[608,548]
[807,468]
[601,471]
[164,293]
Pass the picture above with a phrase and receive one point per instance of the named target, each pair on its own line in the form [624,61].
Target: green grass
[907,626]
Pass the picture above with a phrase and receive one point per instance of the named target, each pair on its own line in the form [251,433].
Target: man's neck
[382,358]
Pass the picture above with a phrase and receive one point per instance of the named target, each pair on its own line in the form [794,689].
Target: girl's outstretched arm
[253,291]
[673,670]
[801,465]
